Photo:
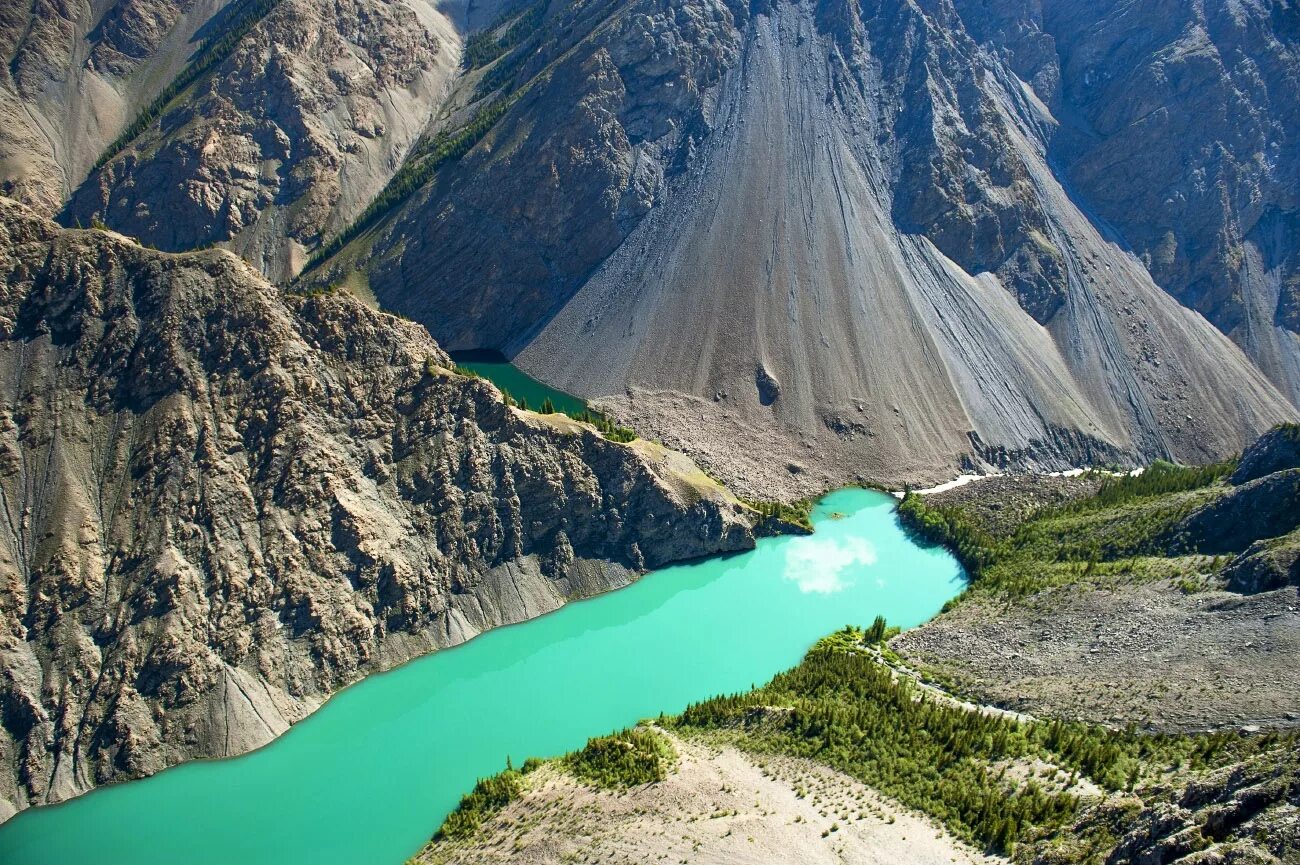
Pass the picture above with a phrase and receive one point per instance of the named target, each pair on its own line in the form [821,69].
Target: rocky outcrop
[1275,451]
[1182,129]
[1271,563]
[285,142]
[609,93]
[219,504]
[76,73]
[1241,812]
[1266,507]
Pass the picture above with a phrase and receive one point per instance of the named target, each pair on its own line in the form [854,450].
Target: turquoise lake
[518,383]
[369,777]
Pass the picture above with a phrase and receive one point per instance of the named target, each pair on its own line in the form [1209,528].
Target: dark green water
[368,778]
[517,383]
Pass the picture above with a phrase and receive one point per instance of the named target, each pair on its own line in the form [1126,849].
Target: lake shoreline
[760,635]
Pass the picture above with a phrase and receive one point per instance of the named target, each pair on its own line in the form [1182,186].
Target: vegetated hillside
[1036,790]
[812,241]
[219,504]
[1167,599]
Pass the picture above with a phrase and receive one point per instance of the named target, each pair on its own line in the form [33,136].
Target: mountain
[884,239]
[221,503]
[263,124]
[854,240]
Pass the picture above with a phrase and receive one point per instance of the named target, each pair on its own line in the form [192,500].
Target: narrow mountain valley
[269,270]
[1106,691]
[222,504]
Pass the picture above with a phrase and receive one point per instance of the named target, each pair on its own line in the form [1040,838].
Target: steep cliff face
[833,231]
[219,504]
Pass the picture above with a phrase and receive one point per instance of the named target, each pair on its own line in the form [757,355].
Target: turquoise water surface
[518,383]
[369,777]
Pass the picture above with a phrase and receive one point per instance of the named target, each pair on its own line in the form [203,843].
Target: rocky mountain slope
[838,233]
[288,139]
[219,504]
[860,238]
[301,116]
[75,74]
[1180,127]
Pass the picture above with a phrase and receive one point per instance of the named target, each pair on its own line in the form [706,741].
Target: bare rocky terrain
[286,141]
[1151,654]
[74,75]
[809,242]
[281,144]
[817,241]
[220,503]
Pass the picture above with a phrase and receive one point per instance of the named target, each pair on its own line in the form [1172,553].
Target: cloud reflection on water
[825,565]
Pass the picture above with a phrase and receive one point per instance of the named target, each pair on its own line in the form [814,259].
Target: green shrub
[626,759]
[1160,478]
[1116,531]
[797,513]
[488,797]
[467,372]
[846,709]
[951,528]
[606,427]
[486,45]
[1289,431]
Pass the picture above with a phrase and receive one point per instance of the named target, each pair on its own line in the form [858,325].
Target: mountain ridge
[219,504]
